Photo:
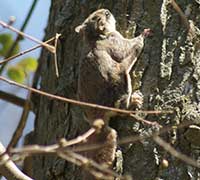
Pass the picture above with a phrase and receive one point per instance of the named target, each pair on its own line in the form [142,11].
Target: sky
[10,114]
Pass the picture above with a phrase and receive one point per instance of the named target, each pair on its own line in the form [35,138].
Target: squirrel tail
[104,155]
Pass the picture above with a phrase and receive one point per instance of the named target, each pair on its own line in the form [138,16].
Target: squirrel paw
[136,99]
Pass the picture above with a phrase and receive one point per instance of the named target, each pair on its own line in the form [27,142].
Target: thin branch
[21,125]
[68,153]
[24,52]
[55,54]
[181,14]
[79,139]
[59,149]
[94,168]
[166,146]
[138,118]
[18,38]
[12,98]
[47,46]
[36,149]
[31,149]
[11,21]
[130,139]
[9,169]
[90,165]
[26,104]
[97,170]
[80,103]
[65,151]
[156,138]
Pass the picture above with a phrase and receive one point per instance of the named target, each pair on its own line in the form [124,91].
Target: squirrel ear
[80,28]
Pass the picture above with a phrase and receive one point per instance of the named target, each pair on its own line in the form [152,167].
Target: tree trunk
[167,73]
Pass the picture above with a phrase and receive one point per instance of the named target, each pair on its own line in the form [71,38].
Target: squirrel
[104,76]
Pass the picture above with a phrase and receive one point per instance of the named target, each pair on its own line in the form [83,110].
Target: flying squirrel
[104,75]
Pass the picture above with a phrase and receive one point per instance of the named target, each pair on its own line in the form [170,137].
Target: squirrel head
[97,24]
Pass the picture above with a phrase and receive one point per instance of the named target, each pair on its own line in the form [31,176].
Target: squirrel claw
[137,99]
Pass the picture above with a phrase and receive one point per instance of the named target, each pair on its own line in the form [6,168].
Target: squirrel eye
[107,13]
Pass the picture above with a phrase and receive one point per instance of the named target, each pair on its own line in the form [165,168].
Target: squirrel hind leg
[105,155]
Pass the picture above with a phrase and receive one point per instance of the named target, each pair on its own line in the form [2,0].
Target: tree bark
[167,74]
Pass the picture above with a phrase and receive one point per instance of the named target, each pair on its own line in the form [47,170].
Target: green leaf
[6,41]
[16,73]
[29,64]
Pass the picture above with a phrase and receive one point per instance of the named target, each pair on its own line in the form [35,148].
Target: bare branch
[174,152]
[64,150]
[12,98]
[145,121]
[61,150]
[181,14]
[47,46]
[21,125]
[99,171]
[9,169]
[66,144]
[32,149]
[80,103]
[18,38]
[26,107]
[55,54]
[24,52]
[79,139]
[130,139]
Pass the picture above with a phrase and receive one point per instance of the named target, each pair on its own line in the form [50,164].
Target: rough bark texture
[167,74]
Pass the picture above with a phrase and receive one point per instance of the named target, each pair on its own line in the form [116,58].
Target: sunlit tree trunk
[167,74]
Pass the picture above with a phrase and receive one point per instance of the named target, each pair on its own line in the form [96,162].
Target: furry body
[104,77]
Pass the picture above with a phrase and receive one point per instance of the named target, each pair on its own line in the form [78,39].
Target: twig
[60,149]
[80,103]
[24,52]
[26,104]
[32,149]
[55,54]
[130,139]
[12,19]
[47,46]
[79,139]
[181,14]
[90,165]
[21,125]
[145,121]
[12,98]
[9,169]
[18,38]
[99,171]
[156,138]
[174,152]
[68,153]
